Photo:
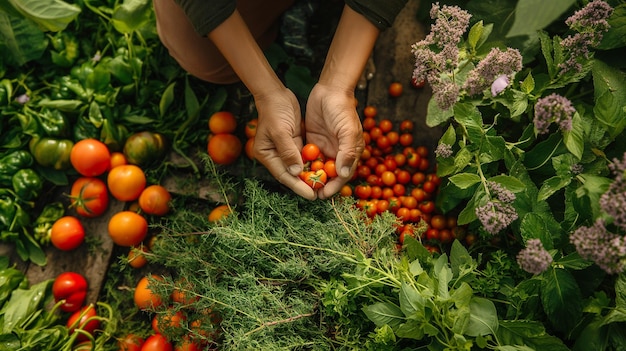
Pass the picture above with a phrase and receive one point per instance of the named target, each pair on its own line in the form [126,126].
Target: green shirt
[205,15]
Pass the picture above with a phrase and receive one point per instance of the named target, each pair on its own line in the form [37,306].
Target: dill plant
[261,269]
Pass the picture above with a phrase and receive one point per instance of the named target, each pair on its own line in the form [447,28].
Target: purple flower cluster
[498,212]
[495,64]
[443,150]
[613,201]
[597,244]
[553,108]
[437,54]
[590,23]
[534,258]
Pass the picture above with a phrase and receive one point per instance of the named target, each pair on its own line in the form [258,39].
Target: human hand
[333,123]
[278,140]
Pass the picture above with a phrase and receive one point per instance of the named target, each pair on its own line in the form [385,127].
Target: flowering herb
[525,154]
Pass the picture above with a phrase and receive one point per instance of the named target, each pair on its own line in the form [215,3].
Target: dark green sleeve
[381,13]
[205,15]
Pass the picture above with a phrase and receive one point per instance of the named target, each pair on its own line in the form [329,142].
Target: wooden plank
[395,63]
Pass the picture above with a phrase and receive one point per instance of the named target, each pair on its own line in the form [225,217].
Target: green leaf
[166,99]
[552,185]
[464,180]
[574,261]
[384,313]
[620,291]
[436,116]
[528,84]
[533,226]
[561,298]
[449,136]
[412,302]
[24,42]
[574,138]
[131,15]
[483,318]
[529,333]
[475,33]
[616,36]
[460,258]
[50,15]
[23,304]
[509,182]
[528,19]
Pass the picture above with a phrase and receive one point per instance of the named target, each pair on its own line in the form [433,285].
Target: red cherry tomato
[71,287]
[67,233]
[84,319]
[157,342]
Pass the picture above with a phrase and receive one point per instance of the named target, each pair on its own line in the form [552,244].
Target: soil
[391,61]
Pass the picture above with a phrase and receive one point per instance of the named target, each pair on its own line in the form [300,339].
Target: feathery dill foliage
[259,267]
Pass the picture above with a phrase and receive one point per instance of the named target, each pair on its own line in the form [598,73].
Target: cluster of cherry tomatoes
[224,146]
[394,174]
[318,169]
[174,318]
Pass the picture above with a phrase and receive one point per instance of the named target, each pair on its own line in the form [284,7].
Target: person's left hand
[333,123]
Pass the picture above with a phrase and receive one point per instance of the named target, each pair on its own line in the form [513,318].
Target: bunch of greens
[532,158]
[27,322]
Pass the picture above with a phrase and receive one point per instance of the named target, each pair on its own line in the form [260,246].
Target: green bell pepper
[50,152]
[11,163]
[54,123]
[27,184]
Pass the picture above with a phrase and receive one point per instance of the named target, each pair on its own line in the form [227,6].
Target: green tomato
[144,148]
[50,152]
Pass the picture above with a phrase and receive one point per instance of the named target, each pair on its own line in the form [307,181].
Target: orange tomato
[126,182]
[395,89]
[67,233]
[225,148]
[143,296]
[136,257]
[222,122]
[127,228]
[218,213]
[251,128]
[155,200]
[117,159]
[90,157]
[249,148]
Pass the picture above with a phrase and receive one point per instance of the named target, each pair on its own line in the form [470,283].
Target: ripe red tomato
[446,236]
[310,152]
[395,89]
[67,233]
[314,179]
[89,196]
[157,342]
[429,186]
[224,148]
[406,126]
[370,111]
[155,200]
[222,122]
[427,207]
[405,139]
[126,182]
[187,344]
[388,178]
[219,212]
[85,319]
[131,342]
[363,191]
[71,287]
[438,221]
[90,157]
[417,84]
[368,123]
[386,125]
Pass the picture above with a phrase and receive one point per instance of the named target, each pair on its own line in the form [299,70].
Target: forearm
[240,49]
[349,51]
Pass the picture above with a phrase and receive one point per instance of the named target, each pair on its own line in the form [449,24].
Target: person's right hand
[278,140]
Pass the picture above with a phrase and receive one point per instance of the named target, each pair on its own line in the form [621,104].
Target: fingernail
[344,172]
[294,170]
